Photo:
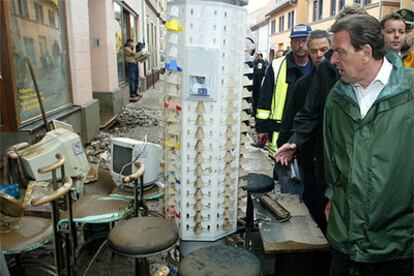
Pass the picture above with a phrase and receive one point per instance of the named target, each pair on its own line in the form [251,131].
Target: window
[320,9]
[291,19]
[38,12]
[29,49]
[357,2]
[341,4]
[281,24]
[20,7]
[52,19]
[45,46]
[367,2]
[333,7]
[317,9]
[273,26]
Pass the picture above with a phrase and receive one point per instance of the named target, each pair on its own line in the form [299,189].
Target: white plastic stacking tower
[203,110]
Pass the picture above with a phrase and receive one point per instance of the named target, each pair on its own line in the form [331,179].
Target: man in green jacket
[369,154]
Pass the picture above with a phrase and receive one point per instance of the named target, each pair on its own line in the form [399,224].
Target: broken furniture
[220,260]
[27,233]
[141,236]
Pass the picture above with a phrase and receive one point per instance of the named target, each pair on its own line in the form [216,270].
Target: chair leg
[137,267]
[141,267]
[249,221]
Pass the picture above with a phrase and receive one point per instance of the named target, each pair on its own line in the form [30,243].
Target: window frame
[281,24]
[333,7]
[291,19]
[273,26]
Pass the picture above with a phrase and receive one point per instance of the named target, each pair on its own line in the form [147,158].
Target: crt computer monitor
[126,150]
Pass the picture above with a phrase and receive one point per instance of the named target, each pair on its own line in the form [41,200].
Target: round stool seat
[143,236]
[220,260]
[98,209]
[27,234]
[258,183]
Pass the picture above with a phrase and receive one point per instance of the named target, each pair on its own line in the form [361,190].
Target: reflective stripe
[273,144]
[263,114]
[279,95]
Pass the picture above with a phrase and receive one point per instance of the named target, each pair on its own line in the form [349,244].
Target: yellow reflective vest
[279,67]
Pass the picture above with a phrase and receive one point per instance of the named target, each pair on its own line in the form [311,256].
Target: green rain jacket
[369,165]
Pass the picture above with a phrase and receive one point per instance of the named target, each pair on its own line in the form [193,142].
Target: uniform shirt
[366,97]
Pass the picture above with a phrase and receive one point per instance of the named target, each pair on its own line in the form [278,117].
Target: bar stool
[142,237]
[256,184]
[220,260]
[29,232]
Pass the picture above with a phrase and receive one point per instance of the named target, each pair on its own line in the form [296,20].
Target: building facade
[319,14]
[76,51]
[260,27]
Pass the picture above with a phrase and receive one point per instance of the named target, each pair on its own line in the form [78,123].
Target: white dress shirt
[367,96]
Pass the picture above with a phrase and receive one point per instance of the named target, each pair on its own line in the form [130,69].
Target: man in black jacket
[318,45]
[259,70]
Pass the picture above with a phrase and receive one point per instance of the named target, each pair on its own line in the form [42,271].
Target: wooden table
[299,234]
[297,246]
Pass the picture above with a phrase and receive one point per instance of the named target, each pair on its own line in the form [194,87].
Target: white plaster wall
[78,36]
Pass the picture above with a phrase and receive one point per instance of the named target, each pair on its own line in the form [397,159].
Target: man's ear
[367,53]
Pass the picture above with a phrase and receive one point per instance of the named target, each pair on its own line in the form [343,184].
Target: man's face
[346,59]
[317,48]
[299,47]
[394,34]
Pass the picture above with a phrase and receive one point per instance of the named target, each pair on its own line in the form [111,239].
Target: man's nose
[334,58]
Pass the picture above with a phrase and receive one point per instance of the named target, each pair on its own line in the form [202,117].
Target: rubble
[137,116]
[131,117]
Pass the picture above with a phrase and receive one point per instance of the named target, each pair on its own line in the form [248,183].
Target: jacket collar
[397,82]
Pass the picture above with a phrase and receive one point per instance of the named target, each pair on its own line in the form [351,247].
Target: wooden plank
[299,234]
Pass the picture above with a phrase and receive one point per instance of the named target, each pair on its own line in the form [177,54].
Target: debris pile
[99,150]
[136,116]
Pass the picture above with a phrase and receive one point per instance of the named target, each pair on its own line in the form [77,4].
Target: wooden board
[299,234]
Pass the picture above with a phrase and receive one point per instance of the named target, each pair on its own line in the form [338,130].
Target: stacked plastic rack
[203,110]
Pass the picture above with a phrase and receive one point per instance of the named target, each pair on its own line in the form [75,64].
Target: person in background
[139,49]
[394,29]
[368,148]
[259,71]
[131,67]
[318,45]
[280,53]
[408,49]
[277,85]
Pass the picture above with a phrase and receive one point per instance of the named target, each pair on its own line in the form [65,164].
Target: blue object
[10,189]
[172,66]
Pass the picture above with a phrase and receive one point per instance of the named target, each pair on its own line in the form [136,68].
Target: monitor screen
[121,156]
